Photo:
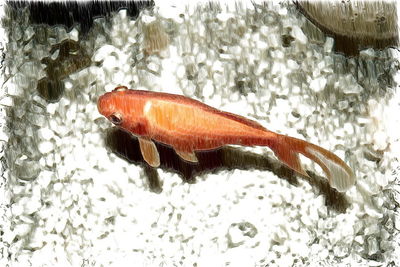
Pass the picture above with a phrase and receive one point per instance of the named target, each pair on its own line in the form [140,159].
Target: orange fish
[188,125]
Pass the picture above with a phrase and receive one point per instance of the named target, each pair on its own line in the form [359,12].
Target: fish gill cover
[77,192]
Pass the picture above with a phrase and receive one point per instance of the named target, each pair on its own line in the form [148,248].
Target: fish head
[113,105]
[122,108]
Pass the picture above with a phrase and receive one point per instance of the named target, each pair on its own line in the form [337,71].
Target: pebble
[273,41]
[382,180]
[45,133]
[60,224]
[359,239]
[44,178]
[372,229]
[57,187]
[224,17]
[363,120]
[317,85]
[45,147]
[328,45]
[367,53]
[51,108]
[154,67]
[277,68]
[292,64]
[7,101]
[297,33]
[201,57]
[13,89]
[181,72]
[61,130]
[32,205]
[343,104]
[17,209]
[36,119]
[28,33]
[373,245]
[208,89]
[22,229]
[348,128]
[340,250]
[305,218]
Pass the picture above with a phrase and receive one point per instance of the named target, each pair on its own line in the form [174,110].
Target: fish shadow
[127,147]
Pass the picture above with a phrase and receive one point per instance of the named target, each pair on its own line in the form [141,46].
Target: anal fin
[188,156]
[149,152]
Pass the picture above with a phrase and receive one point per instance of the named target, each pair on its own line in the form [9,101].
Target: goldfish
[188,125]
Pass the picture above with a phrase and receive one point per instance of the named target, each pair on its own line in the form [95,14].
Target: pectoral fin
[188,156]
[149,152]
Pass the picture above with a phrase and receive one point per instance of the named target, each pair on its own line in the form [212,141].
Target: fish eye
[116,118]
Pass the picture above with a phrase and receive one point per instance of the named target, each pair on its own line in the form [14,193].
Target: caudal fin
[339,174]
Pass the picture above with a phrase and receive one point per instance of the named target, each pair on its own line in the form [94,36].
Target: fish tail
[287,149]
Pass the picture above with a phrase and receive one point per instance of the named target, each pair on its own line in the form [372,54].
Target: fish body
[189,125]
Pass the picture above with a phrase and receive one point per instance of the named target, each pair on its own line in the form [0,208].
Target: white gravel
[88,207]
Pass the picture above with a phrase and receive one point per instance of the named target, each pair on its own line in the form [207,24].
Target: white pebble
[343,104]
[318,84]
[292,64]
[148,19]
[44,178]
[104,52]
[60,225]
[51,108]
[264,30]
[154,67]
[110,63]
[22,229]
[348,128]
[13,89]
[17,209]
[180,72]
[381,179]
[380,140]
[277,68]
[45,147]
[273,40]
[359,239]
[306,219]
[208,89]
[262,45]
[363,120]
[224,16]
[217,66]
[352,89]
[201,57]
[45,133]
[297,33]
[32,205]
[328,45]
[7,101]
[368,53]
[277,54]
[57,187]
[68,85]
[340,250]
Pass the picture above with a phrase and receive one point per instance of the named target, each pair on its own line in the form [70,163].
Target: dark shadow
[227,158]
[70,13]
